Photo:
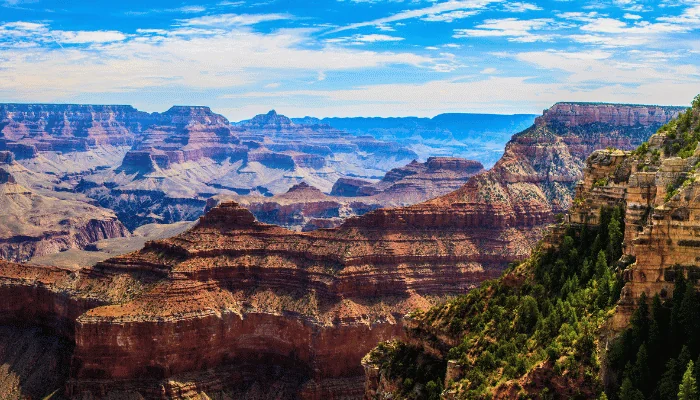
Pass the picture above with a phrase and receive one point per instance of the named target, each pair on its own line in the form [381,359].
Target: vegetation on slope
[649,359]
[534,333]
[542,315]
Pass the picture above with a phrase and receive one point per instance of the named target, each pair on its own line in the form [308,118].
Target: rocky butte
[234,306]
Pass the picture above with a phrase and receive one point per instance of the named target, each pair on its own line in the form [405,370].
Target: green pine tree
[615,237]
[688,389]
[640,320]
[629,392]
[668,385]
[690,316]
[640,370]
[601,264]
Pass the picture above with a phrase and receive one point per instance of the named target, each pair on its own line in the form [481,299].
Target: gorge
[234,306]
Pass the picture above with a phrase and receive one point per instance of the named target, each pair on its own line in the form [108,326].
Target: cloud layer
[358,57]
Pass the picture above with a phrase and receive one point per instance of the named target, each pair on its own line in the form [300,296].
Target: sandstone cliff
[657,186]
[631,224]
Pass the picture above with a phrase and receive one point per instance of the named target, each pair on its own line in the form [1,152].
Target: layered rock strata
[305,207]
[28,128]
[233,300]
[659,191]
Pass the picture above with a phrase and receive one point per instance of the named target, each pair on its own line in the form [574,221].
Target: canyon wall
[657,186]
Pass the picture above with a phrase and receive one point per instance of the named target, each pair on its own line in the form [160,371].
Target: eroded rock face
[27,128]
[213,306]
[306,208]
[577,114]
[184,134]
[660,192]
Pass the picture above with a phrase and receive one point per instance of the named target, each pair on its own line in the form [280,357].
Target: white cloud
[632,16]
[449,16]
[602,68]
[427,12]
[520,7]
[33,68]
[88,36]
[516,30]
[488,71]
[609,41]
[229,20]
[362,39]
[190,9]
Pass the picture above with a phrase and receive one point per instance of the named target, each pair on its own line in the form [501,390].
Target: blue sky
[350,57]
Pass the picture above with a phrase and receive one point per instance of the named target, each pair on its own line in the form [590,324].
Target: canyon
[162,167]
[35,224]
[238,307]
[304,207]
[654,186]
[478,137]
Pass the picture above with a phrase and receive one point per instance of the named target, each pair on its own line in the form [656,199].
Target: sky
[350,57]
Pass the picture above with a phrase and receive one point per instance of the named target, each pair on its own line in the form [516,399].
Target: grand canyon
[246,308]
[349,200]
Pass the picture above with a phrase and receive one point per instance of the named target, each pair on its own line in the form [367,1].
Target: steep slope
[33,224]
[547,328]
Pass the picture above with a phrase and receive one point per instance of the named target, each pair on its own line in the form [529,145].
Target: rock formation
[656,187]
[162,167]
[233,304]
[34,224]
[28,128]
[306,208]
[184,134]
